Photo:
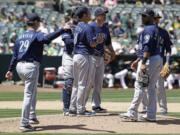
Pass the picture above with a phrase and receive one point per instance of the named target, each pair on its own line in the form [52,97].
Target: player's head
[33,20]
[73,16]
[83,14]
[157,17]
[100,14]
[147,15]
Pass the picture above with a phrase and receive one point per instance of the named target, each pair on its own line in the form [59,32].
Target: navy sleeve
[14,58]
[147,41]
[108,39]
[168,43]
[46,39]
[65,35]
[68,40]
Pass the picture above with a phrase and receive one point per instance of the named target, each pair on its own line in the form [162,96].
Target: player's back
[28,47]
[82,39]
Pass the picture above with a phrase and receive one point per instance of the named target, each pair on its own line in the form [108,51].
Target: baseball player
[99,27]
[84,44]
[148,50]
[67,63]
[26,59]
[165,48]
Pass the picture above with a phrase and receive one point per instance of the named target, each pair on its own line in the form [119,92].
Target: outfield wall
[55,61]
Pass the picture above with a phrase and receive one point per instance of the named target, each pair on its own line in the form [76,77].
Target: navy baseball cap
[100,11]
[148,12]
[80,11]
[31,17]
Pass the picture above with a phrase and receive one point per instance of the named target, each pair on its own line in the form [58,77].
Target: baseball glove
[165,71]
[107,56]
[143,78]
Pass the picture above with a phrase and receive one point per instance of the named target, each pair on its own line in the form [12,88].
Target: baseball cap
[80,11]
[31,17]
[147,12]
[100,11]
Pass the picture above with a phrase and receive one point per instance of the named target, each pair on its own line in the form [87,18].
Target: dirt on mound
[96,124]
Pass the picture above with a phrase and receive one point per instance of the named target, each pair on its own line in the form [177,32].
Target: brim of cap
[105,12]
[34,21]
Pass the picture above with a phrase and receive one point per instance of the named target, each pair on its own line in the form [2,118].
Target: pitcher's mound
[107,123]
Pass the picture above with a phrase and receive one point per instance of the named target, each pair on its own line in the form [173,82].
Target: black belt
[28,61]
[99,55]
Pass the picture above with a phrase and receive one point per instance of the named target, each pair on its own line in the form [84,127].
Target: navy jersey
[83,37]
[29,46]
[165,42]
[104,31]
[68,39]
[148,41]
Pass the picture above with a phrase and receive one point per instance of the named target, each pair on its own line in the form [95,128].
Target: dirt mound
[96,124]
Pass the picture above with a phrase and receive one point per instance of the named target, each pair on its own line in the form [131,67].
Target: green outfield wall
[55,61]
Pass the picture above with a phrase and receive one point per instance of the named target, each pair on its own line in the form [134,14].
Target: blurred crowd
[123,20]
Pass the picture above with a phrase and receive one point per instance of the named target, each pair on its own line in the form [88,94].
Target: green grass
[108,95]
[9,113]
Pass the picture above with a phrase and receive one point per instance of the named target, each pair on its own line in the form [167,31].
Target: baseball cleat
[164,113]
[99,110]
[34,121]
[27,128]
[72,113]
[145,118]
[128,116]
[86,114]
[65,113]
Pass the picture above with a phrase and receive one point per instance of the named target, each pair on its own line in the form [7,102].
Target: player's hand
[143,68]
[9,75]
[67,27]
[113,56]
[134,65]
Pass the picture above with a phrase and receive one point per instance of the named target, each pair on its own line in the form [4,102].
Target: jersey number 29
[24,45]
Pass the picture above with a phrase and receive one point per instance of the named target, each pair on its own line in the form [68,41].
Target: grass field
[9,113]
[108,95]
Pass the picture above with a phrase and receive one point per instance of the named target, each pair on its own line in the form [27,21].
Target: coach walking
[26,59]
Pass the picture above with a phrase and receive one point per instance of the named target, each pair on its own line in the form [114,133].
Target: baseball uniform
[26,59]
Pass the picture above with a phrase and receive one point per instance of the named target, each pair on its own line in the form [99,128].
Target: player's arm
[168,44]
[47,38]
[109,45]
[66,37]
[144,60]
[134,64]
[9,74]
[147,44]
